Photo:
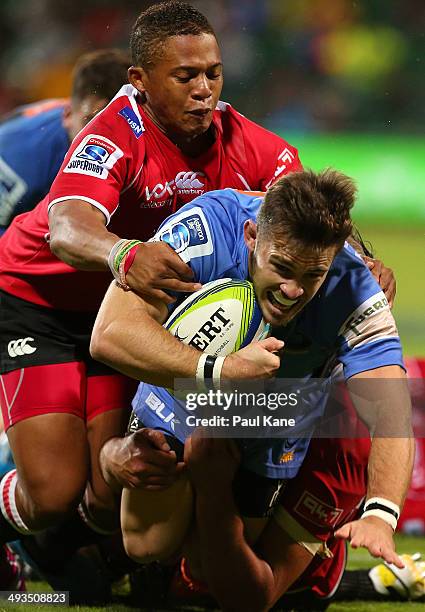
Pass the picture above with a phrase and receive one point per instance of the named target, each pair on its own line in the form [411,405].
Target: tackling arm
[79,237]
[383,275]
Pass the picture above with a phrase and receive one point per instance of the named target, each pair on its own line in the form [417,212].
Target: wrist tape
[120,258]
[208,371]
[382,508]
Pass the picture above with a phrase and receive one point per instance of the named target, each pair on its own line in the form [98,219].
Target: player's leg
[42,410]
[155,523]
[51,457]
[255,497]
[108,404]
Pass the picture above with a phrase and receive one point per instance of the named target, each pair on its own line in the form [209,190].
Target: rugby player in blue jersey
[34,138]
[307,283]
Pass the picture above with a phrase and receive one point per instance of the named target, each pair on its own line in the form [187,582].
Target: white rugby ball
[220,318]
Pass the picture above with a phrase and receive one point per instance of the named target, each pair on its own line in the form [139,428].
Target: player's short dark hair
[100,73]
[160,21]
[310,208]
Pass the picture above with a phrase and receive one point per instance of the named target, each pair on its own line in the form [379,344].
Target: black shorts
[255,495]
[33,335]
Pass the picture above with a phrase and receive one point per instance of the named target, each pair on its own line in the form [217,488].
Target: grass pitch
[358,559]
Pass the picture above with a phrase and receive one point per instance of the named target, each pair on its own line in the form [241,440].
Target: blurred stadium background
[343,80]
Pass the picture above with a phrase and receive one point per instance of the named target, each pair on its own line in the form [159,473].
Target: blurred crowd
[307,65]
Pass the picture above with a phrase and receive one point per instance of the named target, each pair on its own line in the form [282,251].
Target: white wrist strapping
[200,378]
[111,257]
[208,370]
[382,508]
[218,366]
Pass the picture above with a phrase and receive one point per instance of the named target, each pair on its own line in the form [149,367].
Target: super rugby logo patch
[188,234]
[94,156]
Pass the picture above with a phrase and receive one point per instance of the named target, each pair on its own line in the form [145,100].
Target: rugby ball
[220,318]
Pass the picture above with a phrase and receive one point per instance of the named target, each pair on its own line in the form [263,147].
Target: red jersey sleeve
[104,158]
[269,156]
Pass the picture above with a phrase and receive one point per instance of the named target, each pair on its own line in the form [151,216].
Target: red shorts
[46,365]
[62,387]
[412,519]
[327,492]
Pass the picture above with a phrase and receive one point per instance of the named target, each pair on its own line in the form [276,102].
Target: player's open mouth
[279,301]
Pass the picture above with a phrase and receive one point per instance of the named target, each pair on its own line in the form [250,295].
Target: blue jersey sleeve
[368,336]
[32,149]
[207,234]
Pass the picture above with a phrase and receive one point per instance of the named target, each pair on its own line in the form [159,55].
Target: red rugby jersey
[124,165]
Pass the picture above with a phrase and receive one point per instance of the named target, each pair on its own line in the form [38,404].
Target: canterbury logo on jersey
[184,182]
[20,347]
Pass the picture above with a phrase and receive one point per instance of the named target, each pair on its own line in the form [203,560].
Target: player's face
[286,275]
[184,85]
[81,112]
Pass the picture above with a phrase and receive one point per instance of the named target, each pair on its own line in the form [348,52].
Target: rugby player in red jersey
[163,139]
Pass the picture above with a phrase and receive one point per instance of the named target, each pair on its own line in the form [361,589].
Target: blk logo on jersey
[316,511]
[135,423]
[159,408]
[372,319]
[95,156]
[135,122]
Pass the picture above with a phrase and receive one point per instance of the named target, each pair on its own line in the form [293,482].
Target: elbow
[59,246]
[64,239]
[99,346]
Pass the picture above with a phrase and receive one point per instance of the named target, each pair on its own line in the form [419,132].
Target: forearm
[390,468]
[79,237]
[236,576]
[382,399]
[137,350]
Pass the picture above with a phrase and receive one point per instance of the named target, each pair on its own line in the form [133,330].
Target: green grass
[358,559]
[403,250]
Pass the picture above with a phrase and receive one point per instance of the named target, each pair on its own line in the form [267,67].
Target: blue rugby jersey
[33,143]
[349,319]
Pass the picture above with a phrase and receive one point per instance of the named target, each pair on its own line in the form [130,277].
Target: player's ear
[137,77]
[66,118]
[250,234]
